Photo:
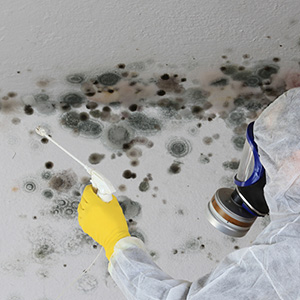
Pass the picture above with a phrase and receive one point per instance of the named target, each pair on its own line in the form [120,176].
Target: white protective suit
[270,268]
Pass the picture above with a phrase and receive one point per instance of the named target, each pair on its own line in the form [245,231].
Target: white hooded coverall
[270,267]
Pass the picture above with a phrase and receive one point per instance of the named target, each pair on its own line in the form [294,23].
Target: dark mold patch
[109,79]
[175,168]
[96,158]
[265,72]
[128,174]
[28,110]
[238,142]
[44,141]
[131,209]
[72,99]
[65,208]
[229,69]
[144,123]
[207,140]
[64,181]
[179,147]
[144,185]
[49,165]
[43,251]
[46,175]
[118,135]
[71,119]
[204,159]
[236,117]
[169,83]
[30,186]
[48,194]
[90,128]
[91,105]
[84,116]
[16,121]
[76,78]
[96,113]
[231,165]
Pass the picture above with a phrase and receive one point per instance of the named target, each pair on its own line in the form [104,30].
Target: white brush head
[41,131]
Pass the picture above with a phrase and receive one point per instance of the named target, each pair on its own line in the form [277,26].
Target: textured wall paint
[154,95]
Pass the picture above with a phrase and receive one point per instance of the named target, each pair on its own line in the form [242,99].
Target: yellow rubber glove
[104,222]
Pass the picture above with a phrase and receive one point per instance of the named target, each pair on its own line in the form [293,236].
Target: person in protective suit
[268,269]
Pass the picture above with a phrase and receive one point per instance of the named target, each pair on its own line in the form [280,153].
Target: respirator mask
[233,211]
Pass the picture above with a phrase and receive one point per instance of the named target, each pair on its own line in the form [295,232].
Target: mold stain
[63,181]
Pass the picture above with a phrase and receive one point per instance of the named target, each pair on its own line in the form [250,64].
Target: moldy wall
[155,95]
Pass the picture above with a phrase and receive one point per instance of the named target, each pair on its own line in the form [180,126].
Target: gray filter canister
[228,216]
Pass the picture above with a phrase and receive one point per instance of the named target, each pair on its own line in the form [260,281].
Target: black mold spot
[121,66]
[73,99]
[47,194]
[76,78]
[175,168]
[142,122]
[161,93]
[96,158]
[128,174]
[179,147]
[63,181]
[165,77]
[84,116]
[109,79]
[144,186]
[44,140]
[90,128]
[133,107]
[49,165]
[130,208]
[28,110]
[30,186]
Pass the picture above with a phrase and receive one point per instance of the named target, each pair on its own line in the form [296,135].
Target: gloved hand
[104,222]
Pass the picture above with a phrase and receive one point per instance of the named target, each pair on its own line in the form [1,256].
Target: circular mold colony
[179,147]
